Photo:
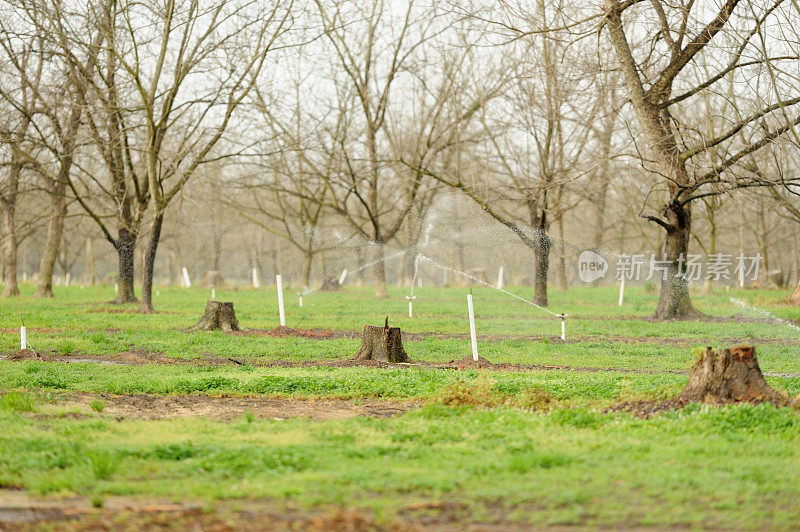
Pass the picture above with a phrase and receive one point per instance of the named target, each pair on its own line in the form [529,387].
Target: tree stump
[382,344]
[795,297]
[218,315]
[729,376]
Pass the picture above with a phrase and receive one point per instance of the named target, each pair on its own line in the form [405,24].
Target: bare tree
[375,47]
[657,61]
[19,101]
[534,134]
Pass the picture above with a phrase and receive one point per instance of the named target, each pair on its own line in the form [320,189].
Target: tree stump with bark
[795,297]
[218,315]
[381,344]
[730,376]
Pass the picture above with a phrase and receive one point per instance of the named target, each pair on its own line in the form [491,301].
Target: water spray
[411,297]
[559,315]
[767,315]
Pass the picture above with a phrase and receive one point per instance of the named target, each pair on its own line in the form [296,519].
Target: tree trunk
[9,250]
[125,247]
[308,260]
[541,257]
[729,376]
[55,230]
[563,282]
[381,344]
[674,301]
[379,271]
[88,264]
[149,263]
[218,315]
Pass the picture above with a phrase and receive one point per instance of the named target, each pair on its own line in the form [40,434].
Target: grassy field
[459,447]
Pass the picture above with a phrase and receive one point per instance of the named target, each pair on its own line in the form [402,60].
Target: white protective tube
[213,294]
[23,338]
[280,300]
[621,290]
[341,277]
[500,278]
[256,283]
[563,328]
[472,336]
[187,283]
[301,301]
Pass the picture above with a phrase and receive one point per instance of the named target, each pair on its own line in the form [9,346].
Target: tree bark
[9,248]
[729,376]
[125,244]
[541,255]
[88,264]
[674,300]
[379,271]
[218,315]
[149,263]
[308,260]
[55,230]
[563,281]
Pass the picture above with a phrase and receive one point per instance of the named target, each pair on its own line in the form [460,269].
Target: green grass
[600,334]
[555,459]
[722,468]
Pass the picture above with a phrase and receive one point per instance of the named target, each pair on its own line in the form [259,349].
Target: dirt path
[127,358]
[20,511]
[226,407]
[330,334]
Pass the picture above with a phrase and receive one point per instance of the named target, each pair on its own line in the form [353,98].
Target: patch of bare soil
[469,362]
[331,334]
[284,332]
[136,357]
[648,409]
[141,357]
[227,407]
[24,354]
[21,512]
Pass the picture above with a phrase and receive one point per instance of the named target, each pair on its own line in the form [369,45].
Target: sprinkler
[411,305]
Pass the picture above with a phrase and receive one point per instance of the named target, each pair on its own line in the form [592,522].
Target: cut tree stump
[218,315]
[795,297]
[730,376]
[381,344]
